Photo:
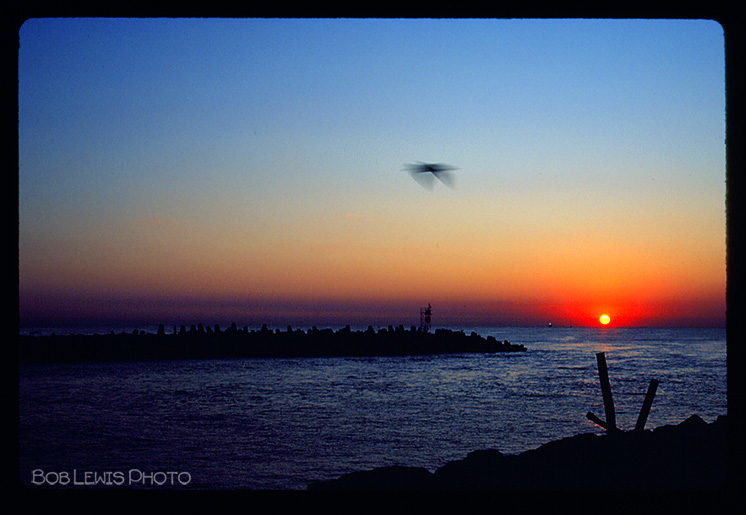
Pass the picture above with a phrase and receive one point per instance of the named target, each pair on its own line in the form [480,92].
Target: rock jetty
[690,456]
[200,342]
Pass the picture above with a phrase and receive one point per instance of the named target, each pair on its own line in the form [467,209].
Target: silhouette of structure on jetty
[200,342]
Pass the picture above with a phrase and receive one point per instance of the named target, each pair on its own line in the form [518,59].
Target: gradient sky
[249,171]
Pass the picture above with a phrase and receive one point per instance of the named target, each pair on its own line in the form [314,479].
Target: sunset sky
[250,171]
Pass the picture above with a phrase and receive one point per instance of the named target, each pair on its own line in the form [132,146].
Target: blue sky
[262,159]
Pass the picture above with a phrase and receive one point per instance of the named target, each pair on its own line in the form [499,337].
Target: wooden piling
[593,418]
[603,375]
[645,410]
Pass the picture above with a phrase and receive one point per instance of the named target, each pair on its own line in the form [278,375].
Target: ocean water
[281,423]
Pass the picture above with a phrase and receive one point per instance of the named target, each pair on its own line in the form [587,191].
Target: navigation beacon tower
[425,317]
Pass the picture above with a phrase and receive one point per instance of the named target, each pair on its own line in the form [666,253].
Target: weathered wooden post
[610,423]
[645,410]
[603,375]
[593,418]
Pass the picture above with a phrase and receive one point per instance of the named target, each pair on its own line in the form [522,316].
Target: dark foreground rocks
[690,456]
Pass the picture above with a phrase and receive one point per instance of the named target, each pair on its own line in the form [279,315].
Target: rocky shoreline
[690,456]
[199,342]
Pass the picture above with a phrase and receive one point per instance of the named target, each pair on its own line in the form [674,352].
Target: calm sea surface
[282,423]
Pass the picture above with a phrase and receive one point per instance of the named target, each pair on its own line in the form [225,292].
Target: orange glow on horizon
[468,279]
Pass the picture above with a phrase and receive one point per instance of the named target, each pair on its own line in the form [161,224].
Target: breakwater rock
[200,342]
[690,456]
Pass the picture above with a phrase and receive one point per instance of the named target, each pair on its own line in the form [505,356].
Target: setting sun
[604,319]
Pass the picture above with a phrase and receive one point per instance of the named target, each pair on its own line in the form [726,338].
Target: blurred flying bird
[424,173]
